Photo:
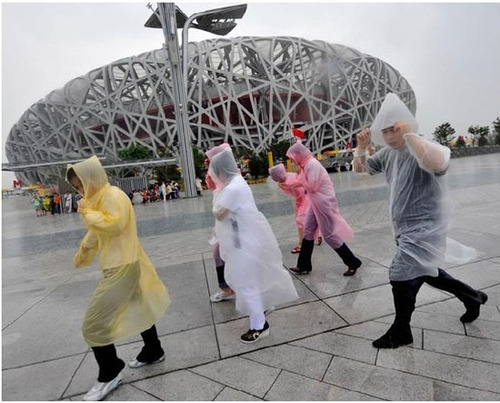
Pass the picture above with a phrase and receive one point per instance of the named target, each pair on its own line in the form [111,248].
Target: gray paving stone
[340,345]
[478,274]
[231,395]
[483,328]
[374,302]
[190,304]
[448,392]
[293,387]
[298,360]
[240,374]
[325,281]
[456,370]
[43,381]
[463,346]
[26,340]
[376,381]
[286,324]
[180,386]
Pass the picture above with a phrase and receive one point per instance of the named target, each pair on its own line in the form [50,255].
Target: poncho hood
[299,153]
[278,173]
[92,175]
[223,167]
[391,111]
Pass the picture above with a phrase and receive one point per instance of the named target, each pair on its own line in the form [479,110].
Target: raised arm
[431,156]
[363,141]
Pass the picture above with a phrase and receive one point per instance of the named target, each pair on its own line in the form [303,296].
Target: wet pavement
[319,346]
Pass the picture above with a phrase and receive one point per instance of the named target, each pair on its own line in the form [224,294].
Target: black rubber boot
[152,350]
[399,334]
[109,363]
[351,261]
[304,264]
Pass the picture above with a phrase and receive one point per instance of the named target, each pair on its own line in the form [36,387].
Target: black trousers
[405,295]
[109,363]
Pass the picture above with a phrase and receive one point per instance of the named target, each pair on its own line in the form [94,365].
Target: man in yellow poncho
[130,298]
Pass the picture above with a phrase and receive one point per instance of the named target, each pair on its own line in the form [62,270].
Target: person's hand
[403,127]
[84,257]
[83,205]
[364,138]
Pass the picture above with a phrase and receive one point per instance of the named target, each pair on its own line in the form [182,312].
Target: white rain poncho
[325,211]
[254,268]
[130,297]
[418,200]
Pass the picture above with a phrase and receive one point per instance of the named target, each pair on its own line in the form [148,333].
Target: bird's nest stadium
[248,91]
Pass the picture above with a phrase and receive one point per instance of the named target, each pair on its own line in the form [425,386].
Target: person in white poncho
[253,260]
[414,168]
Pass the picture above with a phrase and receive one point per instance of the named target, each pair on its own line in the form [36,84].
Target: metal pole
[169,27]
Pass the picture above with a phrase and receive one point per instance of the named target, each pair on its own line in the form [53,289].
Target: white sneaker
[101,389]
[222,296]
[137,364]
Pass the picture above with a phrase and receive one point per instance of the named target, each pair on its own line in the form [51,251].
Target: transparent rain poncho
[254,268]
[325,211]
[419,203]
[130,297]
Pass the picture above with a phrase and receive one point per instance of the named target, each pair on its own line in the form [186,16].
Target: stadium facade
[247,91]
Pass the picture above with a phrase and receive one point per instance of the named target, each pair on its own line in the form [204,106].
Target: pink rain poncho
[130,297]
[291,186]
[254,267]
[418,200]
[324,212]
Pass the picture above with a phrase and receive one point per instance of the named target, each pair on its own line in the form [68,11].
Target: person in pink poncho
[287,183]
[324,212]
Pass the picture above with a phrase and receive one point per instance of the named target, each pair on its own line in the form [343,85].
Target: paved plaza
[319,346]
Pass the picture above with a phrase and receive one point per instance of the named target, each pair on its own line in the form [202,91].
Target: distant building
[247,91]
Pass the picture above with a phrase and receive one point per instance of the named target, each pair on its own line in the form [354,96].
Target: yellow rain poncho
[130,297]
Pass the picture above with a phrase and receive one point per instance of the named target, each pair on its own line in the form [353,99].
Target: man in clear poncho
[130,298]
[323,214]
[414,169]
[254,267]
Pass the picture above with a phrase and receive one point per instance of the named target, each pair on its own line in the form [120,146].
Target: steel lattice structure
[247,91]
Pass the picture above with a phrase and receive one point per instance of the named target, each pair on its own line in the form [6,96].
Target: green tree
[163,173]
[134,152]
[480,132]
[279,149]
[199,161]
[444,133]
[496,129]
[259,165]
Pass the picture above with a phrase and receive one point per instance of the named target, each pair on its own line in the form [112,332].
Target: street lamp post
[217,21]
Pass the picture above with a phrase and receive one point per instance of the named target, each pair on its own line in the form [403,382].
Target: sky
[448,52]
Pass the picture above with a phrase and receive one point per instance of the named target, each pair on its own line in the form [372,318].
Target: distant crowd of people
[54,203]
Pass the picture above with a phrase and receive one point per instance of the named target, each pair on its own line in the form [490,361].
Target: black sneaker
[253,335]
